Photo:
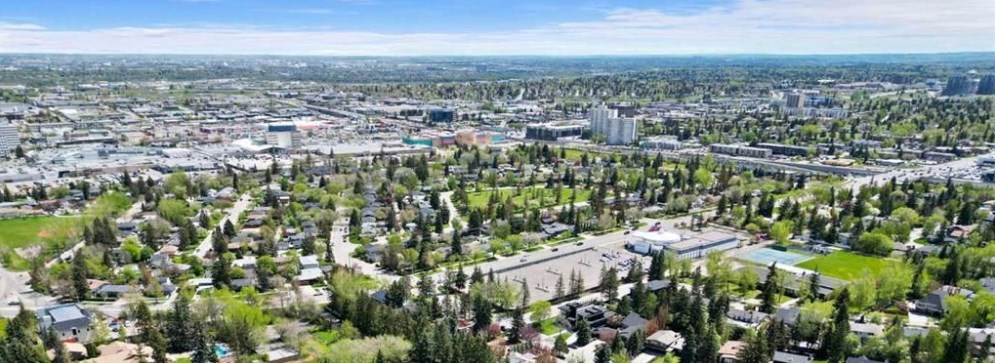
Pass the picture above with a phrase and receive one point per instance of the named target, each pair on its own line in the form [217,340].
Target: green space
[847,265]
[22,232]
[534,197]
[548,326]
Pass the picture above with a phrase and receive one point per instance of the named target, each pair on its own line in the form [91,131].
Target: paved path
[240,206]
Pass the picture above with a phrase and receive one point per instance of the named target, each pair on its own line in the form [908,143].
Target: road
[236,210]
[937,171]
[342,250]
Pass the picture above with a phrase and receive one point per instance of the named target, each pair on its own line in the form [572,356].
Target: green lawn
[548,326]
[535,197]
[21,232]
[847,265]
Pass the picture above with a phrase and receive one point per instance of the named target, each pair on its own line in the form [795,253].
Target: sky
[496,27]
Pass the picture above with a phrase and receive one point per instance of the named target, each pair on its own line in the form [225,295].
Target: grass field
[847,265]
[535,197]
[22,232]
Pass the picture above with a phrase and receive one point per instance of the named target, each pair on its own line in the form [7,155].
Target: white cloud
[746,26]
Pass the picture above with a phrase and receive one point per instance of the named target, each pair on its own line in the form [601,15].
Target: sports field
[847,265]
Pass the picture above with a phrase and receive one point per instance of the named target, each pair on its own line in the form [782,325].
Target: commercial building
[738,150]
[552,132]
[787,150]
[696,246]
[662,143]
[284,135]
[9,138]
[441,115]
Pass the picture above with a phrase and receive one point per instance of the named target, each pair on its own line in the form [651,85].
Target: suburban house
[70,321]
[730,351]
[665,341]
[935,303]
[310,270]
[113,292]
[785,357]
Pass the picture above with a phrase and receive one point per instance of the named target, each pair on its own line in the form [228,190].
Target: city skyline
[558,28]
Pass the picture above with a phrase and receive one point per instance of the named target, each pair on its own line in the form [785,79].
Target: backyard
[531,195]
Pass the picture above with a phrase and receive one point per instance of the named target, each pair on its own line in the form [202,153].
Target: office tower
[795,100]
[986,86]
[620,131]
[599,116]
[957,85]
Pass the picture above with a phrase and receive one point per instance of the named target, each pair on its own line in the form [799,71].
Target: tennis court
[766,256]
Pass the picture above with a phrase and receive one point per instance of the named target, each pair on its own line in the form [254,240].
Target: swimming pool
[221,351]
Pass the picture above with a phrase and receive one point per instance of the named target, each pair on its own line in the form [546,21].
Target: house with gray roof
[70,321]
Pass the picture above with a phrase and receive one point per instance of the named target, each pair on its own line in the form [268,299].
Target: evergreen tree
[583,333]
[180,326]
[560,291]
[81,288]
[769,290]
[635,343]
[609,285]
[834,343]
[603,354]
[517,323]
[481,313]
[757,350]
[957,347]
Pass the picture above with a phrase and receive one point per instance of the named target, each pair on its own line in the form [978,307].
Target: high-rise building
[599,116]
[620,131]
[957,85]
[283,135]
[795,100]
[986,86]
[10,138]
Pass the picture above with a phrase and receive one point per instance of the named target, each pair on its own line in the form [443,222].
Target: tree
[957,347]
[180,326]
[603,354]
[583,333]
[540,310]
[560,345]
[636,342]
[780,231]
[769,290]
[560,291]
[834,343]
[517,323]
[481,312]
[875,243]
[576,284]
[81,288]
[609,285]
[757,349]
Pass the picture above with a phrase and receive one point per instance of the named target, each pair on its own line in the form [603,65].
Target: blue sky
[491,27]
